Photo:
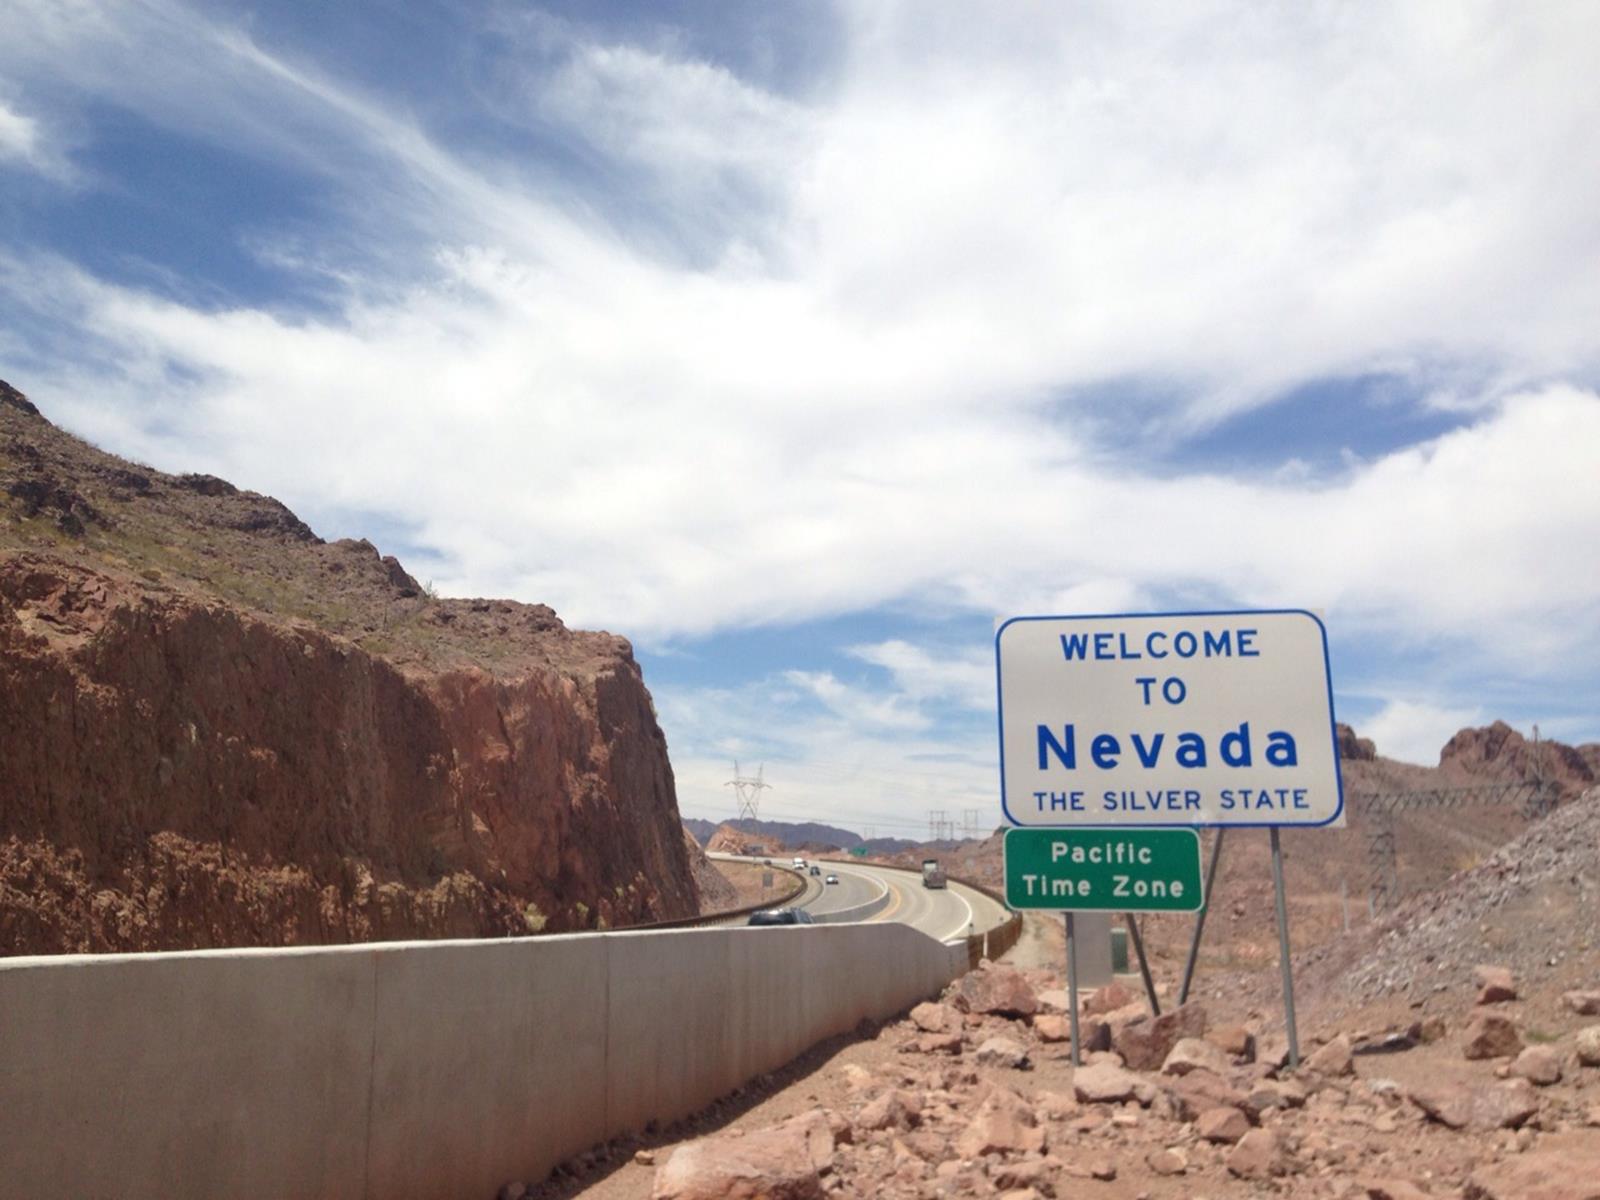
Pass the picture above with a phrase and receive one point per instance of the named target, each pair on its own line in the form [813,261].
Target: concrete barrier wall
[859,913]
[415,1069]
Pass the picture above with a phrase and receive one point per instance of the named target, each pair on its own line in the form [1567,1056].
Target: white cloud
[966,678]
[873,394]
[24,143]
[1415,731]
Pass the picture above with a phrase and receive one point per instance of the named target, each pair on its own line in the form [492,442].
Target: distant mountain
[788,833]
[702,830]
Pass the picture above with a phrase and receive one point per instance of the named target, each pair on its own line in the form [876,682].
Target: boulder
[1584,1003]
[1194,1093]
[1144,1045]
[1003,1124]
[1333,1059]
[1274,1093]
[1256,1156]
[1171,1161]
[782,1162]
[1003,1052]
[1568,1173]
[1104,1083]
[1490,1035]
[1464,1106]
[1538,1064]
[894,1109]
[1495,984]
[1431,1029]
[1235,1041]
[1052,1027]
[1054,1000]
[931,1017]
[937,1043]
[1108,999]
[1195,1054]
[999,990]
[1226,1125]
[1588,1045]
[1057,1106]
[1037,1174]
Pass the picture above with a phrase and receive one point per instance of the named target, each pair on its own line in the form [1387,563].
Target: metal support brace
[1200,918]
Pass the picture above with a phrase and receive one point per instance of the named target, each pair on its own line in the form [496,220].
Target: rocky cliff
[216,729]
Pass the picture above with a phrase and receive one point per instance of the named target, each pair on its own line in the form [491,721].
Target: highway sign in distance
[1103,870]
[1167,719]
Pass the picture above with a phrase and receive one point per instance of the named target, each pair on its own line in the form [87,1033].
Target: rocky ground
[975,1095]
[1451,1051]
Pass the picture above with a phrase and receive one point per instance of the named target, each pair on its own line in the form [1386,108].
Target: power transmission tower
[748,789]
[938,822]
[969,822]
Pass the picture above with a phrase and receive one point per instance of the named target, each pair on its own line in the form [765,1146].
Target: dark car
[781,916]
[816,870]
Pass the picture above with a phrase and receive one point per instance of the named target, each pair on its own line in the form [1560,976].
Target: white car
[831,879]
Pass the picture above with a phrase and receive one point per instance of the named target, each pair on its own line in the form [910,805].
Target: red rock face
[177,772]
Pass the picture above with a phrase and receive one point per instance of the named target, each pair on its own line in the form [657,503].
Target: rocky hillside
[218,730]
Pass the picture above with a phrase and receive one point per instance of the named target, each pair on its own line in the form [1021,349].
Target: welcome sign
[1167,719]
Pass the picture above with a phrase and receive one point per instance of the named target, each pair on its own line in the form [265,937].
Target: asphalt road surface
[943,913]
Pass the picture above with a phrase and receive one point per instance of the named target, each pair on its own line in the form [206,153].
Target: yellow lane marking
[894,907]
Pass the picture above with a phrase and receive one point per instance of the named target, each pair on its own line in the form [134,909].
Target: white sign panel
[1167,719]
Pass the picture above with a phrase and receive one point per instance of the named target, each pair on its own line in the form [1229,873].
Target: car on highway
[831,879]
[781,916]
[816,870]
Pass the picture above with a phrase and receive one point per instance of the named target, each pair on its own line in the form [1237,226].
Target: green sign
[859,851]
[1103,870]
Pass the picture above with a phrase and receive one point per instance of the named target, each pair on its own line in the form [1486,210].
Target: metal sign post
[1283,952]
[1132,921]
[1072,990]
[1200,918]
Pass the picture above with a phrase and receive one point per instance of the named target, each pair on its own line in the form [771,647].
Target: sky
[799,342]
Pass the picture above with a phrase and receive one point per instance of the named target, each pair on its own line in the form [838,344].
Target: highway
[944,914]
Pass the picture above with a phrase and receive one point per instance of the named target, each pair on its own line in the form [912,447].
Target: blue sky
[799,342]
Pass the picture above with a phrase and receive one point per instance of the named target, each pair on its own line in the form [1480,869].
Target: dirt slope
[216,729]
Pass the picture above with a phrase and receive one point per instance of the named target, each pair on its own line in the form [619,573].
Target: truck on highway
[933,874]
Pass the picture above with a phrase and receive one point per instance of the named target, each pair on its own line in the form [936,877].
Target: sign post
[1164,722]
[1103,870]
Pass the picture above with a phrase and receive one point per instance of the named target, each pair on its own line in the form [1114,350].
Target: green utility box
[1119,951]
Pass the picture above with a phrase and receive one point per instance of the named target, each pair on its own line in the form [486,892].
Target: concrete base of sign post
[1093,935]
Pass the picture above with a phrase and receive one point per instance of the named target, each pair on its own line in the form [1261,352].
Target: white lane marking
[961,928]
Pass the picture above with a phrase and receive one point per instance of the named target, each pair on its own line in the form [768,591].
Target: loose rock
[1490,1035]
[1195,1054]
[1584,1003]
[1225,1125]
[1257,1156]
[1002,1052]
[1538,1064]
[1333,1059]
[1588,1045]
[999,990]
[1495,1106]
[1144,1045]
[1104,1083]
[782,1162]
[1495,984]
